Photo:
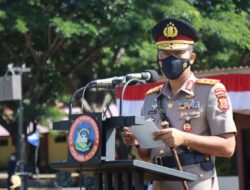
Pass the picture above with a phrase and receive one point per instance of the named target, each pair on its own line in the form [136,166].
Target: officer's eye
[163,54]
[178,54]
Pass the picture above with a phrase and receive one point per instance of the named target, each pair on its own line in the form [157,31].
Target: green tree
[66,44]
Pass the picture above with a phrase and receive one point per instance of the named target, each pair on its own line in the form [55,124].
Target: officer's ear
[158,61]
[192,58]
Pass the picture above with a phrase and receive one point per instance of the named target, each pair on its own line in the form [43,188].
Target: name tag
[152,112]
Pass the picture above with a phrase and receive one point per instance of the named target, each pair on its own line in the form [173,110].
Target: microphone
[148,76]
[109,81]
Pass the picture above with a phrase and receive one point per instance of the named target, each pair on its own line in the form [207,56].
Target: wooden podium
[110,174]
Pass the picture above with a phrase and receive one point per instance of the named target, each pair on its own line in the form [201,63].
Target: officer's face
[180,54]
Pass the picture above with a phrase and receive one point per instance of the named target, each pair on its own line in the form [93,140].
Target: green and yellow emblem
[82,142]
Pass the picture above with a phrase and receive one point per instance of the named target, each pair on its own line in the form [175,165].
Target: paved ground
[35,188]
[40,182]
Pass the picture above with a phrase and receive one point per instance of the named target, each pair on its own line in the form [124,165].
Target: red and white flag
[237,85]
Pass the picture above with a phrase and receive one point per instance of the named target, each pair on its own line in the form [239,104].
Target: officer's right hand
[128,138]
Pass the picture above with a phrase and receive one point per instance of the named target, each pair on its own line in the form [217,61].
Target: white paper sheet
[143,134]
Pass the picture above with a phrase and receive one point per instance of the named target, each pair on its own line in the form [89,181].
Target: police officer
[199,111]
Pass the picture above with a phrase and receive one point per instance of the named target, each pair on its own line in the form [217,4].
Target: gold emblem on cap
[170,31]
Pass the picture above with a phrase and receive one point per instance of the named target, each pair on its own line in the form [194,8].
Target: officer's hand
[171,137]
[128,137]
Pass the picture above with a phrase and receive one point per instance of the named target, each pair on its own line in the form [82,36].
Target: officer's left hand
[171,137]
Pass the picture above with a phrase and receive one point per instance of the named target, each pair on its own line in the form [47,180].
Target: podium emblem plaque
[84,138]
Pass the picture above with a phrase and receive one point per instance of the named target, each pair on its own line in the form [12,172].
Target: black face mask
[173,67]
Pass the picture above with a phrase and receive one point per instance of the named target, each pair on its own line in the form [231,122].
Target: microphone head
[154,77]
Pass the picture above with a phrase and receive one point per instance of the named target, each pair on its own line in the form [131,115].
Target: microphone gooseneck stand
[123,91]
[73,96]
[88,86]
[125,148]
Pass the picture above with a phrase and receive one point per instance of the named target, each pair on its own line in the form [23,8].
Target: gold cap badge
[170,31]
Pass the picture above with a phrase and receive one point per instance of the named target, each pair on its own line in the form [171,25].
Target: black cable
[107,107]
[83,92]
[71,98]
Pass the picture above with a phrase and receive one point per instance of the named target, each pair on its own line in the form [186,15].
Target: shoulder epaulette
[153,90]
[207,81]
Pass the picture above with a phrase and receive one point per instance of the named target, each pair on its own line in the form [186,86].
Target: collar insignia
[155,89]
[207,81]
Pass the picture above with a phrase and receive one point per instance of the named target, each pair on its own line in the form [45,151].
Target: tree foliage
[68,43]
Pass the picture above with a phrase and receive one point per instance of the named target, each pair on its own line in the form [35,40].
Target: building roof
[223,71]
[3,132]
[40,128]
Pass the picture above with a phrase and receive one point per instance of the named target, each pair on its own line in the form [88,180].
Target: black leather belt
[186,158]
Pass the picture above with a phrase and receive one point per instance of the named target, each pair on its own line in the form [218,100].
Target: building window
[60,139]
[3,142]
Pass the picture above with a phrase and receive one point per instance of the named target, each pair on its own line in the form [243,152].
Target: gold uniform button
[207,158]
[170,105]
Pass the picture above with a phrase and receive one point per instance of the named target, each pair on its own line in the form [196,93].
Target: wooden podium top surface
[151,171]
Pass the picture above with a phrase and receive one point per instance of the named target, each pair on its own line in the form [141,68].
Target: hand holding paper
[143,134]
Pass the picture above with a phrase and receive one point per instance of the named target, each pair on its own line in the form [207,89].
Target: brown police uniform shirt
[205,103]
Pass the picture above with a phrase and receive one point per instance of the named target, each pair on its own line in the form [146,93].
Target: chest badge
[189,105]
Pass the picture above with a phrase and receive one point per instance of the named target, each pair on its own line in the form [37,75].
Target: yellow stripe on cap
[207,81]
[175,42]
[171,46]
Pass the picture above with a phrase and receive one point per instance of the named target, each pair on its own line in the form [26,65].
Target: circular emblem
[223,104]
[83,138]
[170,31]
